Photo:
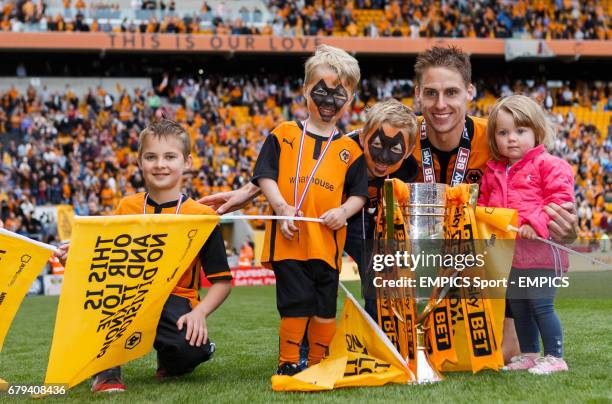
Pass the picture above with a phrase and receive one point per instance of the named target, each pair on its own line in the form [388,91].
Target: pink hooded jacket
[528,185]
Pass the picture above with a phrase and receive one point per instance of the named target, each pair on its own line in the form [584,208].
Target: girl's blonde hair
[525,112]
[336,59]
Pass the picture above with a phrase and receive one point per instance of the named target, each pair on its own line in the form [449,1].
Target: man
[447,137]
[443,92]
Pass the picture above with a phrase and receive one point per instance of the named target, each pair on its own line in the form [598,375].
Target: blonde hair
[394,113]
[165,129]
[525,112]
[344,65]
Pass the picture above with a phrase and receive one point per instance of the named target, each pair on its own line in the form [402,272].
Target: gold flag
[21,260]
[494,222]
[478,320]
[493,225]
[396,310]
[65,220]
[359,355]
[119,273]
[483,341]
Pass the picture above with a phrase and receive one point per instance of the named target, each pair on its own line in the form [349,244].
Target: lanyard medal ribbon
[300,201]
[461,160]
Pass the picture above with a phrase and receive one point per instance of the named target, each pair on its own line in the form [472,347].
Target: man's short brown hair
[450,57]
[165,129]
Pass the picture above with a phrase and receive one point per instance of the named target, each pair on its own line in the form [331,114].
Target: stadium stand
[69,140]
[64,147]
[534,19]
[78,85]
[124,15]
[539,19]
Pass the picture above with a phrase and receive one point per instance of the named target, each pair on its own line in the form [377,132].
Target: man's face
[326,97]
[385,148]
[443,97]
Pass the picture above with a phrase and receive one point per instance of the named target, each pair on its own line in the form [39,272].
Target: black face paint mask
[383,154]
[328,100]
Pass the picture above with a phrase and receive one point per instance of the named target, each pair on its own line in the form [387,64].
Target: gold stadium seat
[409,101]
[240,114]
[363,17]
[599,119]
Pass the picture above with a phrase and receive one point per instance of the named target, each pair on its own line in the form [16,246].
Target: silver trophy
[424,214]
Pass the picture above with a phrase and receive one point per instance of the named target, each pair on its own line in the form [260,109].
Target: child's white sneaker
[521,362]
[547,365]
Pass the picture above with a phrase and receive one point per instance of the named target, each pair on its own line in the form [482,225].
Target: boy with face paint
[386,150]
[387,139]
[327,100]
[392,158]
[308,168]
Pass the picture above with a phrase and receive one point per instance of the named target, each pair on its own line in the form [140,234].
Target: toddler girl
[523,176]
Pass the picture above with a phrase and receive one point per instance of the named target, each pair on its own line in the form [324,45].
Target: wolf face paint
[385,148]
[329,101]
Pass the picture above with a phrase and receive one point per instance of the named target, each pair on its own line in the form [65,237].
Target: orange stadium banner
[152,42]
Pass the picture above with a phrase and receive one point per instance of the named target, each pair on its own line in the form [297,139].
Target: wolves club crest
[345,155]
[473,176]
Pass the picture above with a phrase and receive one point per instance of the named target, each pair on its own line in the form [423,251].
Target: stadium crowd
[58,148]
[556,19]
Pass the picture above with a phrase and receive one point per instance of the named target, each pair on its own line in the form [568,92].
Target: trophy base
[425,372]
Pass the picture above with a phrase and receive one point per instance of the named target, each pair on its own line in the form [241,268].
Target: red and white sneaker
[108,381]
[521,362]
[547,365]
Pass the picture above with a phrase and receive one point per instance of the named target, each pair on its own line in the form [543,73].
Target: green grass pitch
[245,331]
